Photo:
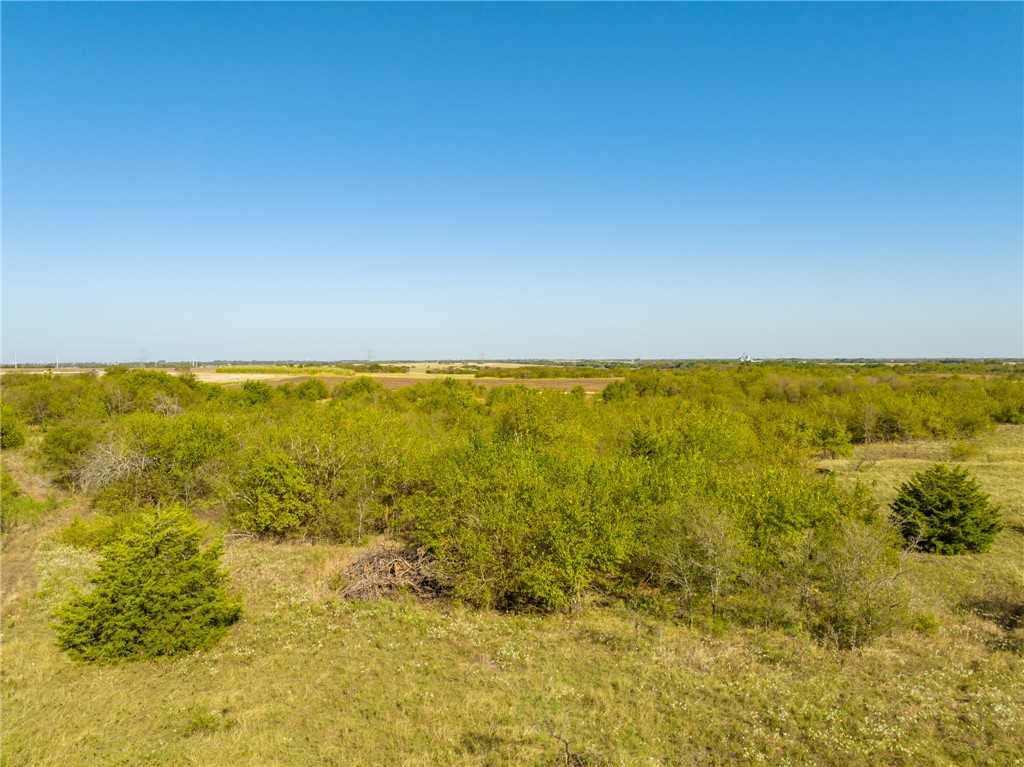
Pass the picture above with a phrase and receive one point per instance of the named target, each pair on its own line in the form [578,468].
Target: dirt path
[34,486]
[18,555]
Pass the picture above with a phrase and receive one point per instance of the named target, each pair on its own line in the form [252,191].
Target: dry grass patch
[308,679]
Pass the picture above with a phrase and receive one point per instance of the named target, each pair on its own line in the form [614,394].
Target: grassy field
[306,679]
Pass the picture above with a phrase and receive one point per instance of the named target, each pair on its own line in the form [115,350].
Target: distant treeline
[549,371]
[688,492]
[285,370]
[454,370]
[299,369]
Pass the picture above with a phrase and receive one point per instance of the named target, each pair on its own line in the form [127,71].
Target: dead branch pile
[384,571]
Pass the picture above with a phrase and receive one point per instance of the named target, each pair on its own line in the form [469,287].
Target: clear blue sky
[312,181]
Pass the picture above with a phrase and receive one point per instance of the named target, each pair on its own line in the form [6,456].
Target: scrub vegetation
[717,564]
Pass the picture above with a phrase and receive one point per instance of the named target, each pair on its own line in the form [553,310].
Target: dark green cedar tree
[942,510]
[158,593]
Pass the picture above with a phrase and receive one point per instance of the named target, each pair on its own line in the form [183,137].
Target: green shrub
[256,393]
[617,391]
[832,440]
[313,389]
[64,450]
[522,414]
[97,530]
[702,551]
[514,528]
[273,496]
[12,434]
[360,386]
[458,401]
[854,595]
[158,593]
[943,510]
[963,451]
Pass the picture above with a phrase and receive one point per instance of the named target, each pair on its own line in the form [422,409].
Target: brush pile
[385,571]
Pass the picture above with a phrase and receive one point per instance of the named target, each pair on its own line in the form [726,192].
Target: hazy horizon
[580,181]
[60,364]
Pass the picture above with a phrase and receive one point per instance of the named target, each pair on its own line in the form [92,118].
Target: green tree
[256,393]
[12,433]
[522,414]
[616,391]
[832,439]
[313,389]
[704,553]
[158,593]
[186,450]
[942,510]
[853,572]
[513,527]
[274,496]
[64,450]
[360,386]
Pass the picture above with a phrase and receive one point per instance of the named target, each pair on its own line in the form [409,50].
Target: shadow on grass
[489,743]
[1004,610]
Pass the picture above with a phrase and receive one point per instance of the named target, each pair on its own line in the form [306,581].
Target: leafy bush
[64,450]
[522,414]
[126,391]
[832,440]
[96,530]
[313,389]
[157,593]
[854,595]
[458,401]
[703,552]
[512,527]
[183,450]
[943,510]
[149,459]
[360,386]
[12,434]
[963,451]
[616,391]
[273,496]
[256,393]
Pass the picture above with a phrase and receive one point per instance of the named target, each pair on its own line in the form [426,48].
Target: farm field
[394,381]
[616,677]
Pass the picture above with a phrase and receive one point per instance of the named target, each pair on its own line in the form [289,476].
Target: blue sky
[313,181]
